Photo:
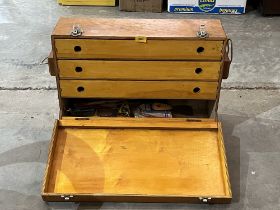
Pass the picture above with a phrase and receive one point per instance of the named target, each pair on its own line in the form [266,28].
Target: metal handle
[229,49]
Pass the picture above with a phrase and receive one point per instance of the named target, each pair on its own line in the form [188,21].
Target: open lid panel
[137,160]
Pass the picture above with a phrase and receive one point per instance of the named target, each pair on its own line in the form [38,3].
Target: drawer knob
[80,89]
[198,70]
[77,48]
[200,50]
[78,69]
[196,90]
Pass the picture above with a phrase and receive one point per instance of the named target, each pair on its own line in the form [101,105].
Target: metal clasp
[141,39]
[204,200]
[76,31]
[66,197]
[202,33]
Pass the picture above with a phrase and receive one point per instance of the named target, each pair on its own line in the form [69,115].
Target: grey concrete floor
[249,106]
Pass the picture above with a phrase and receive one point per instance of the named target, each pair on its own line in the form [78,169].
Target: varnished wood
[150,120]
[107,164]
[223,158]
[137,123]
[138,70]
[48,169]
[53,197]
[130,49]
[130,28]
[137,89]
[128,159]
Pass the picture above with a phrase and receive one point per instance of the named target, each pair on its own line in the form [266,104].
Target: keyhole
[198,70]
[77,48]
[200,49]
[80,89]
[78,69]
[196,90]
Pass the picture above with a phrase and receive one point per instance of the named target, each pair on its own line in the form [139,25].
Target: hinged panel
[123,159]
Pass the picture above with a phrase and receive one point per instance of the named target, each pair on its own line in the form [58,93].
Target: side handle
[227,59]
[52,68]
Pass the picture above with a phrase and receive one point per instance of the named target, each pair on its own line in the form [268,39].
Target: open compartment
[137,108]
[137,159]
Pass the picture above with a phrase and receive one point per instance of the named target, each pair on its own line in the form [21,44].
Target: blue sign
[206,5]
[215,10]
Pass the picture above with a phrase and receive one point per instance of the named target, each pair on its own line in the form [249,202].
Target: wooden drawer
[139,70]
[130,49]
[138,89]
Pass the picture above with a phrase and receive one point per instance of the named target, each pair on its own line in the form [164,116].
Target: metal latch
[202,33]
[141,39]
[66,197]
[76,31]
[204,200]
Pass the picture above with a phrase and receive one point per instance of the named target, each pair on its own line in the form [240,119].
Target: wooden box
[270,7]
[127,159]
[141,5]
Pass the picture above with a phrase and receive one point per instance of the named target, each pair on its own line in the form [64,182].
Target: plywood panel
[129,28]
[139,70]
[115,161]
[138,89]
[168,124]
[130,49]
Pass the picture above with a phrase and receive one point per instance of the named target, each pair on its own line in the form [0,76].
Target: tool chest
[138,111]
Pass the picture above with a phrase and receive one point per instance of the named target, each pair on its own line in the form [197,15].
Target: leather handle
[228,56]
[51,64]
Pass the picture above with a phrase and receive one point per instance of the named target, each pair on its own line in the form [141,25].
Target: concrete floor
[249,106]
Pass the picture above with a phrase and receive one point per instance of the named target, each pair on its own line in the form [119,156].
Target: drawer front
[130,49]
[139,70]
[138,89]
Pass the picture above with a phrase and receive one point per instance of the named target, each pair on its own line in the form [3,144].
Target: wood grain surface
[138,161]
[116,122]
[138,89]
[132,50]
[138,70]
[150,28]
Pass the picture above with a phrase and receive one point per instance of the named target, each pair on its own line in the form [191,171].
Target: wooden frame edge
[224,164]
[137,123]
[50,157]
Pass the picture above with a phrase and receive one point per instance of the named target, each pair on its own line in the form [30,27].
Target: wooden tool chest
[127,158]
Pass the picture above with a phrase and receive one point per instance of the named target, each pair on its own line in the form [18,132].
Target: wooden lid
[131,28]
[137,160]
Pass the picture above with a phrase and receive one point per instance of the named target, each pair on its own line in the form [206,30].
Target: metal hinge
[202,33]
[66,197]
[76,31]
[204,200]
